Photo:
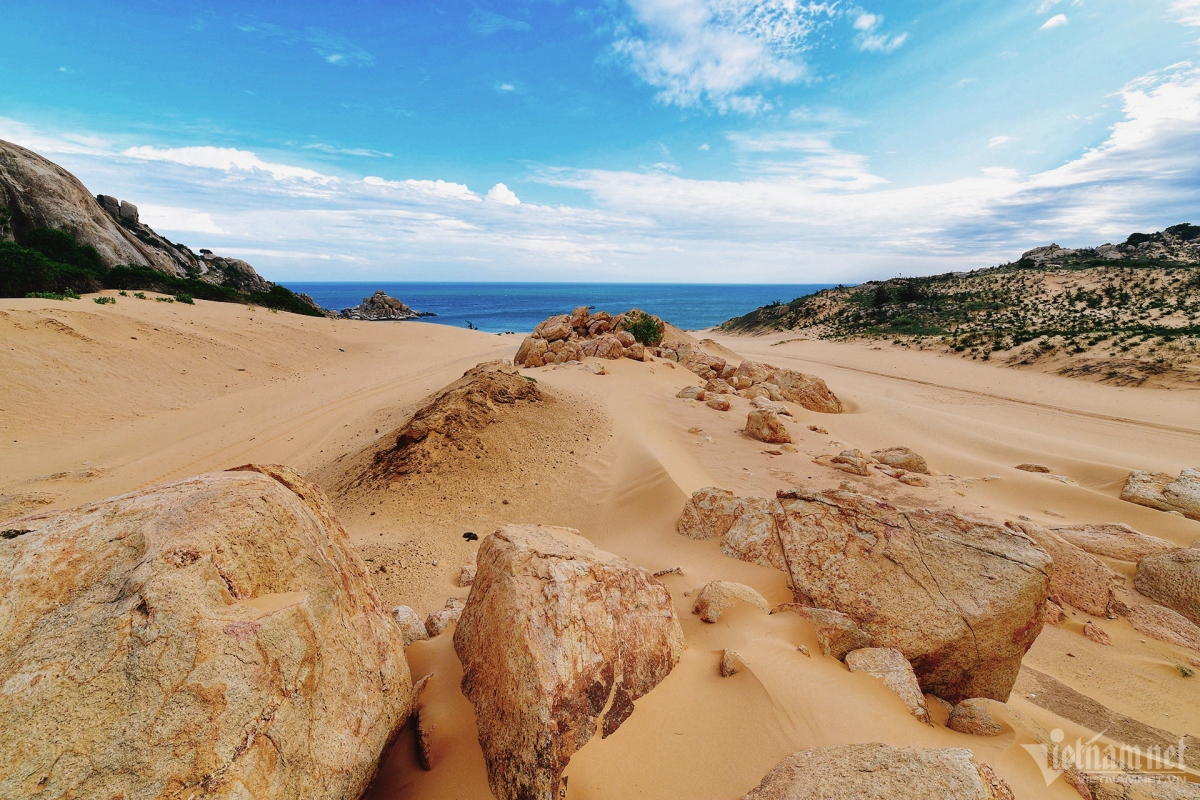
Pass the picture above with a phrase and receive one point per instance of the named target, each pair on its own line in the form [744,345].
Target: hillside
[56,237]
[1126,313]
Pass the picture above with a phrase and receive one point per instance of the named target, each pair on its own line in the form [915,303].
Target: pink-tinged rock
[1173,579]
[837,633]
[557,639]
[709,513]
[1165,625]
[625,338]
[691,393]
[974,716]
[1097,634]
[718,401]
[1078,578]
[217,636]
[890,666]
[754,534]
[580,318]
[1113,540]
[766,426]
[717,597]
[881,772]
[901,458]
[437,622]
[554,328]
[1161,491]
[531,353]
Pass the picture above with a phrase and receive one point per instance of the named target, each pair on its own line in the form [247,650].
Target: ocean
[519,307]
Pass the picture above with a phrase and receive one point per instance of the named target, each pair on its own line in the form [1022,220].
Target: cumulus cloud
[1054,22]
[719,51]
[502,194]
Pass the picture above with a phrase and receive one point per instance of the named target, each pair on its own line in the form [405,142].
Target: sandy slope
[318,394]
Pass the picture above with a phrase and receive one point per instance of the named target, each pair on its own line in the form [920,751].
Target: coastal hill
[55,236]
[1120,313]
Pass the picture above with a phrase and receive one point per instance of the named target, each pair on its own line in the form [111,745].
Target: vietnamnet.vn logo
[1107,761]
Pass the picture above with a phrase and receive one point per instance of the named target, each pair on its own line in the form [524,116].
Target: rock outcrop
[216,636]
[837,634]
[757,379]
[1161,491]
[381,307]
[1173,579]
[1078,578]
[901,458]
[881,772]
[1165,625]
[582,334]
[557,638]
[766,426]
[717,597]
[962,598]
[1113,540]
[38,193]
[890,666]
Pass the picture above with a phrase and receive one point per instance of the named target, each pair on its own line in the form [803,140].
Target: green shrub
[66,295]
[140,295]
[105,301]
[184,297]
[644,328]
[165,299]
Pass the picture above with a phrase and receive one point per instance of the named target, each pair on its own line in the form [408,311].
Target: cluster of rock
[961,598]
[900,463]
[581,334]
[381,307]
[1160,491]
[755,379]
[215,636]
[1176,243]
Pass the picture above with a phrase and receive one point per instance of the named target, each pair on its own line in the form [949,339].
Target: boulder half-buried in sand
[217,636]
[557,638]
[1173,579]
[961,597]
[1161,491]
[881,772]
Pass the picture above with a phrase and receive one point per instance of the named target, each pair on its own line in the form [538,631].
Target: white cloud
[1188,11]
[705,146]
[486,23]
[719,52]
[227,159]
[502,194]
[347,151]
[506,87]
[1047,5]
[441,189]
[1054,22]
[173,218]
[997,141]
[965,82]
[870,40]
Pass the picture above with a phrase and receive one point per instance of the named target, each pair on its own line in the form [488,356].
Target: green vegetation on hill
[1136,306]
[53,263]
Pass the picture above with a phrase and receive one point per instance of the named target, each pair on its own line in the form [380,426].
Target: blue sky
[661,140]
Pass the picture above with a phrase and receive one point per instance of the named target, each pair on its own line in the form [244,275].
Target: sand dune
[102,400]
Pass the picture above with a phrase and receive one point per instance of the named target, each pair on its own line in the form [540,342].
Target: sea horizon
[518,306]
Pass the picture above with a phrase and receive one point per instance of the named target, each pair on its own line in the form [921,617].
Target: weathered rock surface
[40,194]
[558,637]
[962,598]
[691,393]
[807,391]
[1042,468]
[901,458]
[1173,579]
[709,513]
[837,633]
[1161,491]
[890,666]
[410,624]
[437,622]
[766,426]
[880,772]
[717,401]
[1165,625]
[974,716]
[1113,540]
[731,663]
[381,307]
[717,597]
[216,636]
[1079,578]
[1097,634]
[853,461]
[754,534]
[582,334]
[466,574]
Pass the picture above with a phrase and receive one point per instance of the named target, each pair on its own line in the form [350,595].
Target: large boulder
[962,598]
[213,637]
[709,513]
[1079,578]
[557,638]
[1161,491]
[1173,579]
[881,772]
[380,307]
[1113,540]
[808,391]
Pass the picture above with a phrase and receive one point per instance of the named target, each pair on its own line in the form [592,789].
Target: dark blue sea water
[519,307]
